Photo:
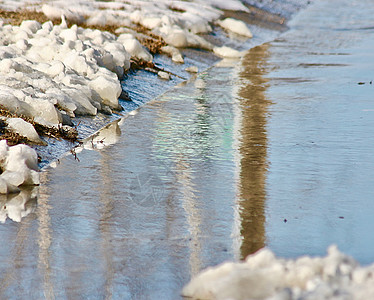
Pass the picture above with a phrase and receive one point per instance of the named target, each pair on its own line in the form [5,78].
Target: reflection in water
[19,205]
[253,150]
[106,136]
[105,214]
[45,238]
[17,244]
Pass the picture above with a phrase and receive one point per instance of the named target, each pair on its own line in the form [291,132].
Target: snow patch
[263,276]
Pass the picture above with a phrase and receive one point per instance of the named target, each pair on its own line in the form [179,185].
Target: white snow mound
[263,276]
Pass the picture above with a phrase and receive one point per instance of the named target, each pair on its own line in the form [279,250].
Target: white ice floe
[192,69]
[163,75]
[235,26]
[263,276]
[19,166]
[227,52]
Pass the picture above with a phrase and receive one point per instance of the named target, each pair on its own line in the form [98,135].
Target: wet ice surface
[320,134]
[275,153]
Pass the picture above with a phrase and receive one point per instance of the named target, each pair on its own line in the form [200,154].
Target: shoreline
[86,126]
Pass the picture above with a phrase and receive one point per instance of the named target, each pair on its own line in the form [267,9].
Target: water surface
[276,152]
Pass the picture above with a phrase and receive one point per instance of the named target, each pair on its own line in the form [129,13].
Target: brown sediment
[154,45]
[175,9]
[150,40]
[13,138]
[136,63]
[15,18]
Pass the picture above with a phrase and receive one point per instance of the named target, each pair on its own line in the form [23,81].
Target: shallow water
[275,152]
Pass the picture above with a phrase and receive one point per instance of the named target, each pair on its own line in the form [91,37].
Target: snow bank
[52,73]
[19,166]
[263,276]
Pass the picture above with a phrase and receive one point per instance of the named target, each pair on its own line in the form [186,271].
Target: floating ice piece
[227,52]
[192,69]
[182,38]
[163,75]
[263,276]
[24,129]
[174,53]
[235,26]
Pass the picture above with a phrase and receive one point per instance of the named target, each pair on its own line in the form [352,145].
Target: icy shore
[49,73]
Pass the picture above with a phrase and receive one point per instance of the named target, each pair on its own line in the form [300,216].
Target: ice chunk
[81,101]
[228,4]
[69,34]
[29,25]
[7,188]
[235,26]
[176,55]
[133,47]
[108,90]
[56,68]
[45,109]
[11,103]
[120,55]
[177,38]
[24,129]
[227,52]
[151,22]
[192,69]
[163,75]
